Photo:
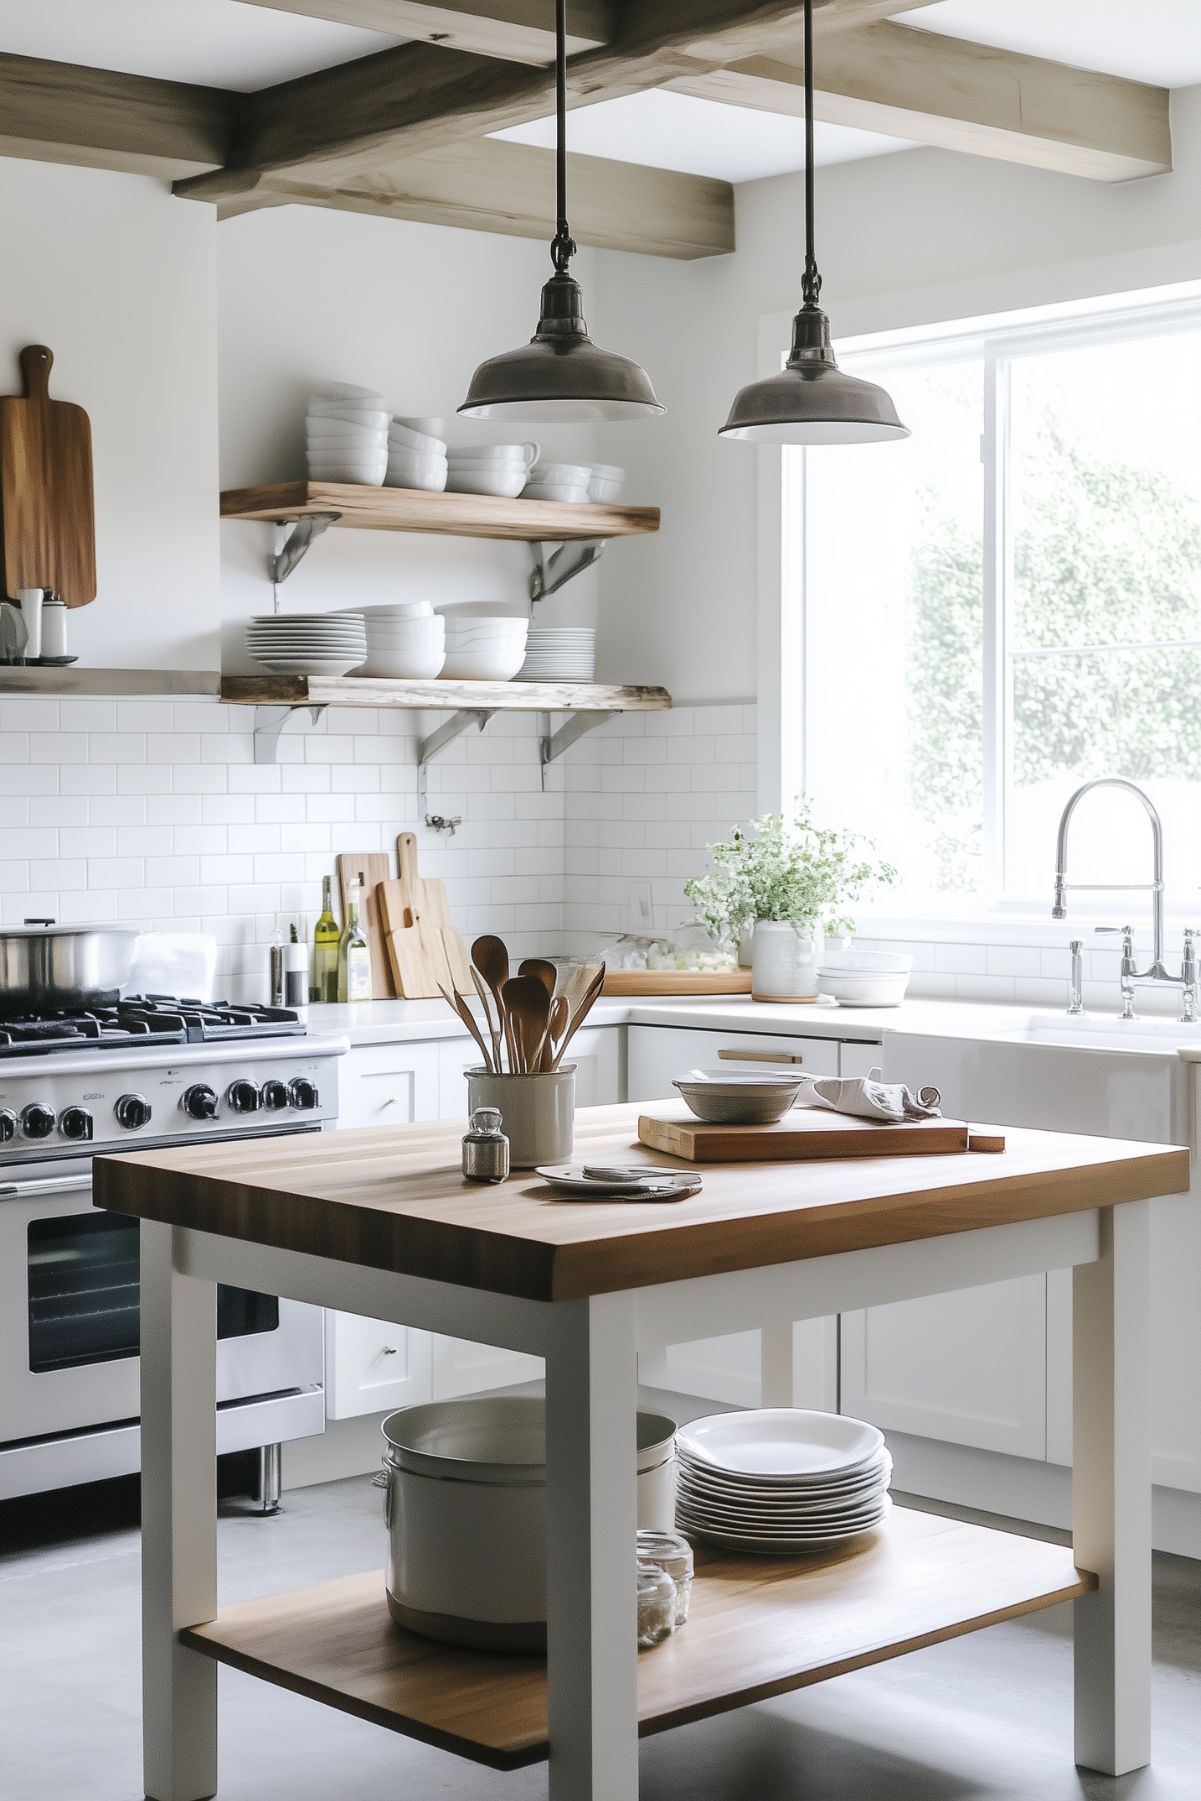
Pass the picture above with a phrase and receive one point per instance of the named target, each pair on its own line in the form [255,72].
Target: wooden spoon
[581,1013]
[556,1025]
[544,972]
[493,1031]
[527,1008]
[491,958]
[468,1017]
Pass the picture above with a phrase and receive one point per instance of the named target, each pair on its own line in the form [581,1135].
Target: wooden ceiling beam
[328,127]
[102,119]
[961,96]
[520,31]
[490,185]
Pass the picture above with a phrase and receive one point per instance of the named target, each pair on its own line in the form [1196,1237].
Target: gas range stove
[154,1069]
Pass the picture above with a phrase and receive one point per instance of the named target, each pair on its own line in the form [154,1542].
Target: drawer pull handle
[760,1057]
[389,1350]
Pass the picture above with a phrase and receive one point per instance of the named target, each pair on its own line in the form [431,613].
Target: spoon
[527,1008]
[468,1017]
[491,958]
[493,1031]
[541,970]
[556,1025]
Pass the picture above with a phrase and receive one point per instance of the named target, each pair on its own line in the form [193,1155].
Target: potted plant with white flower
[784,880]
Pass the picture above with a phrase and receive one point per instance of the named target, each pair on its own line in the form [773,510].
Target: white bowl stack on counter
[483,647]
[864,978]
[346,435]
[416,459]
[559,653]
[500,469]
[308,643]
[405,641]
[781,1481]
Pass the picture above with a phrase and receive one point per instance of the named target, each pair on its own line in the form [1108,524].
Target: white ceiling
[701,137]
[1153,40]
[217,43]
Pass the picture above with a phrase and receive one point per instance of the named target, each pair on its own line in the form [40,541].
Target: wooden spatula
[527,1007]
[47,511]
[369,868]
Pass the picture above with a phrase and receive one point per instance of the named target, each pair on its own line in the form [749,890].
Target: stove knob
[302,1094]
[132,1110]
[37,1121]
[8,1126]
[76,1122]
[243,1097]
[199,1102]
[275,1096]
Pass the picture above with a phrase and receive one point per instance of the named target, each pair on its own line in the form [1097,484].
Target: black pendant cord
[563,248]
[811,286]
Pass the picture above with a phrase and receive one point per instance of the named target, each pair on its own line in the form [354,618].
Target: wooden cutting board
[47,510]
[677,981]
[370,868]
[428,899]
[805,1133]
[415,951]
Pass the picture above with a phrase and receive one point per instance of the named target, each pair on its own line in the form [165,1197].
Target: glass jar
[656,1605]
[672,1553]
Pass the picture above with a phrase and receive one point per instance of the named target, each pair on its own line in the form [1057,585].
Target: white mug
[54,626]
[30,603]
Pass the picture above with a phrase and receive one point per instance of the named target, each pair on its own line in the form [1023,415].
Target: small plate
[781,1444]
[657,1185]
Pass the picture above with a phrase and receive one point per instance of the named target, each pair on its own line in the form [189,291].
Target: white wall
[905,239]
[119,280]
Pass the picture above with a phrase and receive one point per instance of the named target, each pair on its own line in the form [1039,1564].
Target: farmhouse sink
[1095,1032]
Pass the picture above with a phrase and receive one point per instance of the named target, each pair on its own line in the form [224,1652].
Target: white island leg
[591,1404]
[1111,1494]
[179,1522]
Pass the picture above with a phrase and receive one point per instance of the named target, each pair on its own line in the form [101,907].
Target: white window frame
[784,569]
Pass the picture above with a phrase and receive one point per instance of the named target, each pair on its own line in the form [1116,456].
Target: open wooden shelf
[267,690]
[74,678]
[758,1627]
[452,515]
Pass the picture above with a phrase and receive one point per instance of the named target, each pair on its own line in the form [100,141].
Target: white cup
[30,602]
[54,626]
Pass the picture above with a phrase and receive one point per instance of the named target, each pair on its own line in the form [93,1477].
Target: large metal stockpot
[466,1514]
[46,967]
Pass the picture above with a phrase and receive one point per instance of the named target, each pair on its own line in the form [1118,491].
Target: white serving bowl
[504,481]
[605,484]
[869,988]
[345,412]
[399,609]
[856,962]
[497,665]
[426,473]
[527,454]
[501,631]
[414,640]
[565,493]
[404,438]
[413,665]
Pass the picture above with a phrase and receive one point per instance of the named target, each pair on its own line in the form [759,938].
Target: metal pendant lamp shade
[561,376]
[812,400]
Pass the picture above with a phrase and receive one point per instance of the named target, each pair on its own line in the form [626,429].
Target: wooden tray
[804,1134]
[629,982]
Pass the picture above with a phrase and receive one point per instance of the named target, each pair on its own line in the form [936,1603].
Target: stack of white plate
[405,640]
[779,1481]
[346,435]
[308,643]
[483,648]
[416,459]
[557,653]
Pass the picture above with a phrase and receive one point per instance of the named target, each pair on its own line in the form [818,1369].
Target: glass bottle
[326,938]
[354,955]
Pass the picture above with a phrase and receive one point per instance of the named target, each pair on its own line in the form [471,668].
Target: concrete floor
[987,1717]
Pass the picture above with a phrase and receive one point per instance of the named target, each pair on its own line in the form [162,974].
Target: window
[1008,604]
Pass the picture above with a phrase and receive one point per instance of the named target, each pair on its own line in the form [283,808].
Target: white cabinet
[657,1053]
[388,1085]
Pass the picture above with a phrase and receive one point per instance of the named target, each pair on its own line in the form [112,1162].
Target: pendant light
[560,376]
[811,400]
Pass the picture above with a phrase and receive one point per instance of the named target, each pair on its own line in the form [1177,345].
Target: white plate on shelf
[707,1485]
[308,665]
[772,1546]
[780,1444]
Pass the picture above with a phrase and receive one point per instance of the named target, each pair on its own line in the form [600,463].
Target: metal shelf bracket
[305,532]
[431,747]
[551,745]
[269,722]
[551,573]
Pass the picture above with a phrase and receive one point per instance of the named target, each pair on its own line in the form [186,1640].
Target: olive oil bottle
[354,953]
[326,938]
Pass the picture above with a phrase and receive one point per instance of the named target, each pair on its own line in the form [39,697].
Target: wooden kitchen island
[381,1223]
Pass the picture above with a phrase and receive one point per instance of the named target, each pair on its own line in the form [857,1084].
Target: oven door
[69,1315]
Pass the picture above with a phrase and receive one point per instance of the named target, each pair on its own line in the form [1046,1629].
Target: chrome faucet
[1156,971]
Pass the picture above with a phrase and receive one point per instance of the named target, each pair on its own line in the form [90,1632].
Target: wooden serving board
[47,509]
[804,1134]
[630,982]
[428,900]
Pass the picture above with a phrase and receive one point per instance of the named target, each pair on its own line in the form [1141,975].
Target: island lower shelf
[758,1627]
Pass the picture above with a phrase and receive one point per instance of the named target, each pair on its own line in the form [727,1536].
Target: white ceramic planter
[537,1112]
[783,962]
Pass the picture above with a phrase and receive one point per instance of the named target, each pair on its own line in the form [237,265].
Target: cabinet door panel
[658,1053]
[388,1085]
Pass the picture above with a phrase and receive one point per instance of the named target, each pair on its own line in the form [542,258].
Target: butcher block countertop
[395,1199]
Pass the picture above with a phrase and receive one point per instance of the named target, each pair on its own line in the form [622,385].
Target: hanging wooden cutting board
[417,958]
[370,869]
[806,1133]
[428,898]
[47,512]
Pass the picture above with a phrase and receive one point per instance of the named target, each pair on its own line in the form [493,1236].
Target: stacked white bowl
[484,648]
[491,468]
[856,978]
[308,643]
[780,1481]
[559,481]
[405,640]
[605,483]
[416,459]
[346,435]
[559,653]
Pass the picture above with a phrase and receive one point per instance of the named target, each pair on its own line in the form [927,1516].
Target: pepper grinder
[485,1147]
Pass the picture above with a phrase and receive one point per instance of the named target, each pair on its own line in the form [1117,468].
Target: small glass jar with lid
[485,1147]
[656,1605]
[671,1552]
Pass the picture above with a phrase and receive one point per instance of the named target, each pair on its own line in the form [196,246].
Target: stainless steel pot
[46,967]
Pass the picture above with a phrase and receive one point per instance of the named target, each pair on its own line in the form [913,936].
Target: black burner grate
[144,1019]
